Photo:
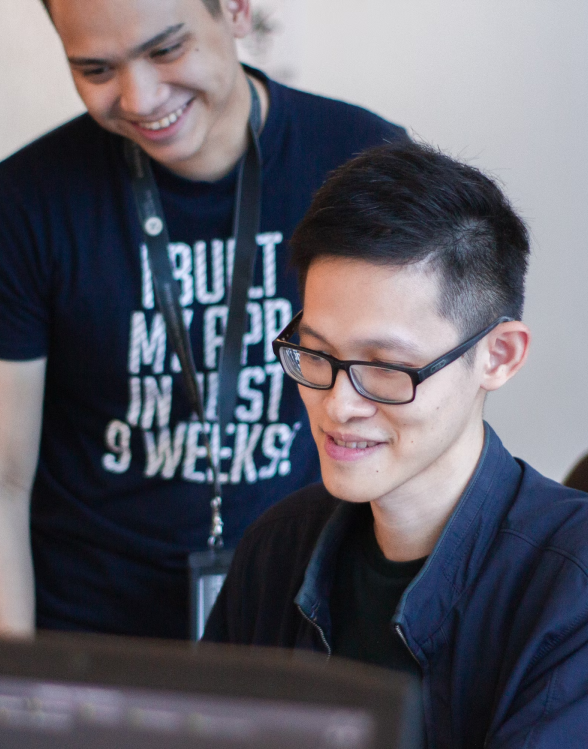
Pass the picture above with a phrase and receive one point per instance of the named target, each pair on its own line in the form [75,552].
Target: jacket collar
[313,596]
[452,564]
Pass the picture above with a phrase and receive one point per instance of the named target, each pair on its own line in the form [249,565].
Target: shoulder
[256,604]
[345,114]
[304,512]
[541,601]
[348,126]
[71,149]
[286,534]
[551,518]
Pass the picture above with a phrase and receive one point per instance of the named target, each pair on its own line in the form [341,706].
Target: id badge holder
[208,570]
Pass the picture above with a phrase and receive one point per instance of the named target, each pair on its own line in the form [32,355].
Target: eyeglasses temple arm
[290,328]
[450,357]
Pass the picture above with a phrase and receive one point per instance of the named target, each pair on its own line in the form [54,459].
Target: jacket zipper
[400,634]
[319,629]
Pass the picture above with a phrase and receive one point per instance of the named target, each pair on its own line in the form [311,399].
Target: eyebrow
[136,51]
[395,343]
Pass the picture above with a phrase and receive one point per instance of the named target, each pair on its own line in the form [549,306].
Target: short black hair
[407,203]
[213,6]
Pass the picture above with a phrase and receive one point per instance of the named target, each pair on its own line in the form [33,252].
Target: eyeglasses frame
[416,374]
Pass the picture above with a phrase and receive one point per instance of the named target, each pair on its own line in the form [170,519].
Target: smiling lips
[354,445]
[164,123]
[350,449]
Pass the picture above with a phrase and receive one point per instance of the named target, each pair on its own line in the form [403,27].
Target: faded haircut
[409,203]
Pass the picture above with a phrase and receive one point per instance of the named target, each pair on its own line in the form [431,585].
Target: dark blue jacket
[497,618]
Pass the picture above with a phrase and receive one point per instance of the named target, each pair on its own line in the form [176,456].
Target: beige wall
[502,83]
[35,90]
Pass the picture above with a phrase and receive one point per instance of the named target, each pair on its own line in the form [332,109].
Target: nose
[141,90]
[343,403]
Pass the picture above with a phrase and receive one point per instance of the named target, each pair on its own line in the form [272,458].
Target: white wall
[502,83]
[35,89]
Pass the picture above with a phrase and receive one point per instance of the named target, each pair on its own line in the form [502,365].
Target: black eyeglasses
[383,383]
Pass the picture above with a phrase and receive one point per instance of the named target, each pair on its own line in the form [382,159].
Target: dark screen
[46,715]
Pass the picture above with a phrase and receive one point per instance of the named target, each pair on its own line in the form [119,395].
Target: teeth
[354,445]
[166,121]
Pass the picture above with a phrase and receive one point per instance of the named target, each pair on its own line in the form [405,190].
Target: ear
[238,14]
[504,352]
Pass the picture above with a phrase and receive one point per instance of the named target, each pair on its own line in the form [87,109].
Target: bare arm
[21,404]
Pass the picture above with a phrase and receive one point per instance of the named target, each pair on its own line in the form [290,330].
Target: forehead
[119,24]
[355,300]
[369,285]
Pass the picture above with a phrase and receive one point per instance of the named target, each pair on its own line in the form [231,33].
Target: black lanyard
[246,227]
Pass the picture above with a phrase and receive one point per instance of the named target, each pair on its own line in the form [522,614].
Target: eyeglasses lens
[306,368]
[373,382]
[383,384]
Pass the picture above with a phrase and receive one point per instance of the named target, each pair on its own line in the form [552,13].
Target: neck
[227,140]
[409,522]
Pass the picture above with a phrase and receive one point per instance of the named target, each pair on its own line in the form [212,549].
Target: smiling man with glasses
[427,547]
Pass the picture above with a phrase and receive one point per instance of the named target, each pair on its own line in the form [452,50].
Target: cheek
[98,99]
[212,64]
[313,401]
[442,404]
[189,70]
[450,403]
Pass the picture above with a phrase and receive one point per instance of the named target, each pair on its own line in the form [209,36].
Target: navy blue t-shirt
[120,497]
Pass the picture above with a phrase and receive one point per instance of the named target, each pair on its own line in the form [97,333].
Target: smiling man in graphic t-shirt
[97,447]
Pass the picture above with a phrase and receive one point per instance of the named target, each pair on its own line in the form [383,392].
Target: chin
[341,488]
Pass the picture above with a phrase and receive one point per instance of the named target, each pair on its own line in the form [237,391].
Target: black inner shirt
[366,590]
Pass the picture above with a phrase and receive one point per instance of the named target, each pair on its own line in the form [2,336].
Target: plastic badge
[208,570]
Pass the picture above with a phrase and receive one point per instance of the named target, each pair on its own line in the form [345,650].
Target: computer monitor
[66,691]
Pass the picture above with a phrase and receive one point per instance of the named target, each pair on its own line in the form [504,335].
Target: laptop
[68,691]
